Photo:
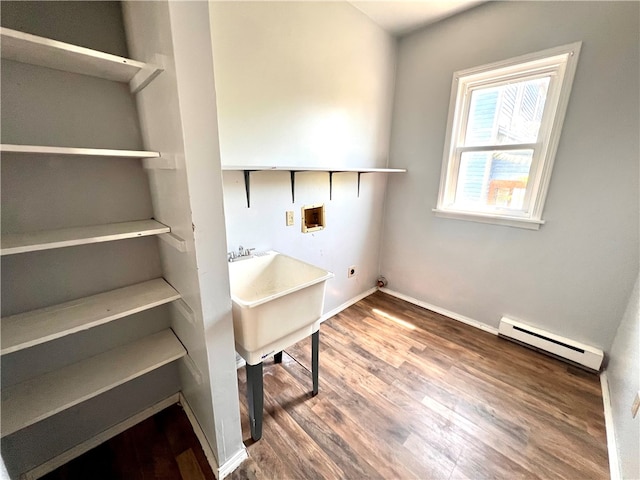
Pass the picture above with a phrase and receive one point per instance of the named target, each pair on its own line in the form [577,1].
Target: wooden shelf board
[26,48]
[86,152]
[311,169]
[14,243]
[34,400]
[32,328]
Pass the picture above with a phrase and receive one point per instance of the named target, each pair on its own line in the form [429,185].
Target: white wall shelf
[14,243]
[72,151]
[311,169]
[247,169]
[32,328]
[41,397]
[26,48]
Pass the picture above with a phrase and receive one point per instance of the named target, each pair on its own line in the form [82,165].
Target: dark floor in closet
[161,447]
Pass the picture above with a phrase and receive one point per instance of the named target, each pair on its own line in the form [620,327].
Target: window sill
[530,224]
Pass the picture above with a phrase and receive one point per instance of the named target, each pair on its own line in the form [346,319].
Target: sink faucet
[242,253]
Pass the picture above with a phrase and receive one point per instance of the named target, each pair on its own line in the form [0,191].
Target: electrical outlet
[635,406]
[352,271]
[289,218]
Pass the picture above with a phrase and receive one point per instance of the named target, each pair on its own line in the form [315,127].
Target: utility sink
[277,301]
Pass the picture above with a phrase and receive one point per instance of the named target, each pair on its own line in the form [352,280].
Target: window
[502,135]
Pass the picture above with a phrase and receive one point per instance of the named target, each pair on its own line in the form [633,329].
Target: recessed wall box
[312,218]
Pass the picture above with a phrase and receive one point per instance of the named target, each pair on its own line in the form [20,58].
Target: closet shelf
[26,48]
[41,397]
[14,243]
[247,169]
[85,152]
[32,328]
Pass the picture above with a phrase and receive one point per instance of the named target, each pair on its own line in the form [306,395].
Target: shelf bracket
[165,161]
[247,185]
[193,369]
[359,173]
[185,310]
[175,241]
[293,185]
[146,75]
[331,185]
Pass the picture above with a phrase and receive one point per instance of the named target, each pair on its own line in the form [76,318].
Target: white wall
[177,114]
[301,83]
[573,276]
[305,84]
[623,374]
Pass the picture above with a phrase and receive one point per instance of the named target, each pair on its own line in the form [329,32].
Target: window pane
[495,179]
[506,114]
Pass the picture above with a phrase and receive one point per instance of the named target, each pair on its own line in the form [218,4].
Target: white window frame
[560,63]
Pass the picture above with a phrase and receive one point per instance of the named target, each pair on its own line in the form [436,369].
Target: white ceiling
[400,16]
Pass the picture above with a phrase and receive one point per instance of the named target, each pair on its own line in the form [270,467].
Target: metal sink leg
[315,346]
[255,399]
[255,392]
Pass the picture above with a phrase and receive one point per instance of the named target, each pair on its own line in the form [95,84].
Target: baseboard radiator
[554,345]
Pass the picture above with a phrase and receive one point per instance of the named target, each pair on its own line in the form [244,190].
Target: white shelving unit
[72,151]
[34,400]
[38,398]
[26,48]
[28,329]
[13,243]
[247,169]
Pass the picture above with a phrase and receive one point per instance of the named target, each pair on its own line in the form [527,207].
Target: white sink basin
[277,301]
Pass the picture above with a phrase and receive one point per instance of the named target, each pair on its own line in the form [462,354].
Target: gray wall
[95,24]
[572,277]
[311,84]
[48,107]
[623,374]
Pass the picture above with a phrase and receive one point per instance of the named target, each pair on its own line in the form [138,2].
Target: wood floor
[161,447]
[406,393]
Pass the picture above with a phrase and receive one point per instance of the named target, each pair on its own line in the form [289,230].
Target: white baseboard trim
[65,457]
[234,462]
[612,447]
[230,465]
[240,362]
[442,311]
[347,304]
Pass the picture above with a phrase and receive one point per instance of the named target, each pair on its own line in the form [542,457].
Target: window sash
[498,146]
[461,125]
[469,89]
[559,65]
[530,189]
[513,70]
[548,71]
